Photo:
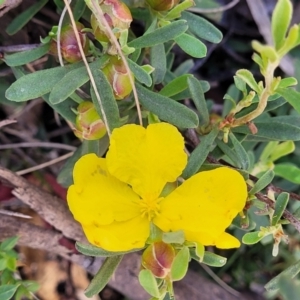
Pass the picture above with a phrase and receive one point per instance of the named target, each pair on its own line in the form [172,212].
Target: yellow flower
[116,198]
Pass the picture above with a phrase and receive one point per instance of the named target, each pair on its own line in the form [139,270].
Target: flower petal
[223,241]
[119,236]
[98,198]
[146,158]
[206,203]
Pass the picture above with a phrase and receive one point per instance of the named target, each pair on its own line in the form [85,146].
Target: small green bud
[158,258]
[68,43]
[89,125]
[162,5]
[117,15]
[116,73]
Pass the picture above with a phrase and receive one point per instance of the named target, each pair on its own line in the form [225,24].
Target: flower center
[150,207]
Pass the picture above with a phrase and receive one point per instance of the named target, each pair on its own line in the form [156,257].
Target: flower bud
[117,15]
[158,259]
[89,125]
[116,73]
[68,43]
[162,5]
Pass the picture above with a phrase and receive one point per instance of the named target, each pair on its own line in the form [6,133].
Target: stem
[263,100]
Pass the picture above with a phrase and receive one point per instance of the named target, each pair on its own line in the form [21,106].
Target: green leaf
[109,103]
[276,128]
[291,96]
[37,84]
[281,19]
[291,272]
[237,155]
[158,62]
[177,85]
[24,57]
[23,18]
[167,109]
[213,260]
[2,264]
[262,182]
[90,250]
[72,81]
[98,147]
[289,289]
[280,205]
[197,95]
[178,9]
[103,276]
[180,264]
[288,171]
[160,35]
[149,283]
[139,73]
[200,153]
[191,45]
[176,237]
[287,82]
[8,291]
[247,76]
[251,238]
[281,150]
[202,28]
[11,264]
[9,243]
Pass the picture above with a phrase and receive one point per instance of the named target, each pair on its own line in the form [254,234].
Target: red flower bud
[118,77]
[118,16]
[68,43]
[158,258]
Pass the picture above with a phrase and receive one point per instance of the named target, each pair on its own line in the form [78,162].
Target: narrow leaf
[274,129]
[158,62]
[251,238]
[9,243]
[281,19]
[280,205]
[109,104]
[291,96]
[288,288]
[8,291]
[180,264]
[26,87]
[213,260]
[24,57]
[247,76]
[291,272]
[197,95]
[177,85]
[160,35]
[148,282]
[202,28]
[139,73]
[191,45]
[167,109]
[240,151]
[103,275]
[23,18]
[262,182]
[199,154]
[288,171]
[72,81]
